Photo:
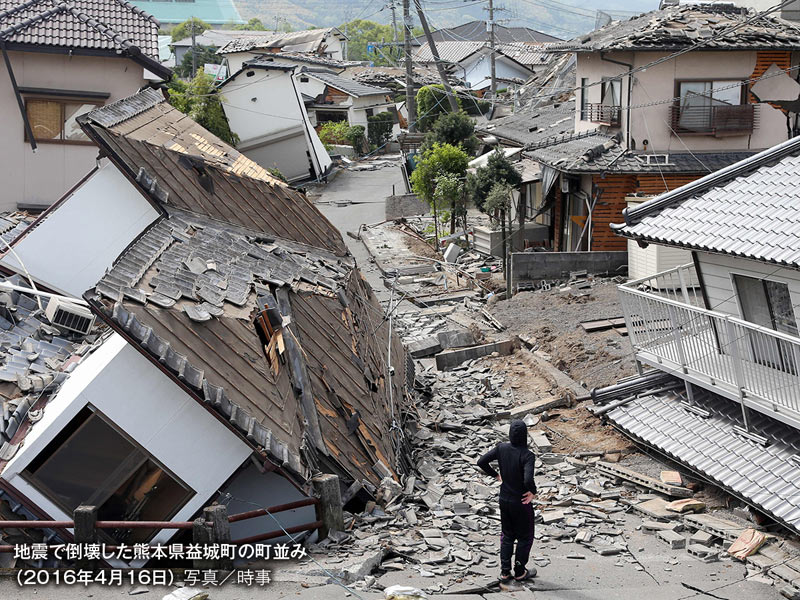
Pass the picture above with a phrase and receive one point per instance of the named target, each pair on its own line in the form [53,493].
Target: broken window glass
[54,120]
[91,463]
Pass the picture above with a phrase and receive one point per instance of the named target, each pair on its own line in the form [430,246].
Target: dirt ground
[551,319]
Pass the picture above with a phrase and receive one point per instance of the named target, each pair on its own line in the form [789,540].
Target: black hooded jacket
[516,463]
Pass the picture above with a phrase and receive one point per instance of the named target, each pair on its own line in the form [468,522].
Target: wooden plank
[599,325]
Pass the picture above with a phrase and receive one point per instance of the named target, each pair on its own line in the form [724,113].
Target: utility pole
[393,8]
[411,104]
[439,66]
[490,24]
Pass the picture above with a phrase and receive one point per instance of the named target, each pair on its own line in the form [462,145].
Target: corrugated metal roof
[112,25]
[716,26]
[213,12]
[765,476]
[752,210]
[349,86]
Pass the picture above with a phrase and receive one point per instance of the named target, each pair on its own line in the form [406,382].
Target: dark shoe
[526,574]
[505,577]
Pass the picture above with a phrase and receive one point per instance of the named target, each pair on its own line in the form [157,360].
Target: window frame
[30,477]
[678,82]
[584,107]
[63,101]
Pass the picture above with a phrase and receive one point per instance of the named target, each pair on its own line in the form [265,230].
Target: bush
[456,129]
[432,102]
[201,100]
[355,137]
[334,133]
[379,128]
[498,169]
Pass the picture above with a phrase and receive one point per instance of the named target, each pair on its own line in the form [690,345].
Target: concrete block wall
[535,266]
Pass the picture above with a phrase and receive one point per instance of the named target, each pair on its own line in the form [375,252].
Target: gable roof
[349,86]
[213,12]
[113,26]
[527,55]
[238,293]
[220,37]
[477,31]
[679,27]
[307,40]
[750,209]
[188,167]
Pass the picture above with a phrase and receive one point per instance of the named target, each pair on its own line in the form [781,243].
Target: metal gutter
[20,102]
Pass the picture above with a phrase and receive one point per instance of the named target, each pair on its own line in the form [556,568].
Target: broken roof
[534,126]
[112,26]
[307,40]
[527,55]
[35,359]
[186,166]
[264,320]
[749,209]
[595,152]
[348,86]
[680,27]
[709,443]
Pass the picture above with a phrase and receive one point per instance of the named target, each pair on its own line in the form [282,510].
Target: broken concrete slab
[540,441]
[425,347]
[674,540]
[455,339]
[621,472]
[537,406]
[452,358]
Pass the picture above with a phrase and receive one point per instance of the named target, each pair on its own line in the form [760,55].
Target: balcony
[728,119]
[671,330]
[602,113]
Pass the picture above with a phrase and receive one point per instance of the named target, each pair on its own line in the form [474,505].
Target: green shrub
[379,128]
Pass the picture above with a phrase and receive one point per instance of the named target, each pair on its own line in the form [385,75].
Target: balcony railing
[714,120]
[671,330]
[603,113]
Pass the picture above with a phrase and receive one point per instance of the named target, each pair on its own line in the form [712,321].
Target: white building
[266,110]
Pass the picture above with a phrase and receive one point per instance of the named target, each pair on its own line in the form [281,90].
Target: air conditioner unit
[65,315]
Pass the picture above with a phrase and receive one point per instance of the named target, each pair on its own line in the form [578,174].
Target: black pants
[516,525]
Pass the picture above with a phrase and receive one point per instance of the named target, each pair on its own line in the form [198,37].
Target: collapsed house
[720,334]
[244,354]
[265,109]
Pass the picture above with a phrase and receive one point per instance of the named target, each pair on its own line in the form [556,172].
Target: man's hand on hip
[527,497]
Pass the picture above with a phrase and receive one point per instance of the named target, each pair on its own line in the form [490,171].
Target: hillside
[562,18]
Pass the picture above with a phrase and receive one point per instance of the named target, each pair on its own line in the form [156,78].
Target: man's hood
[518,434]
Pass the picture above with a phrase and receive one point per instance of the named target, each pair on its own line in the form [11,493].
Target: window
[92,463]
[54,120]
[712,107]
[584,98]
[324,116]
[612,92]
[769,304]
[303,79]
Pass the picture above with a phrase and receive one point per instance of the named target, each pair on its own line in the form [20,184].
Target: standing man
[517,489]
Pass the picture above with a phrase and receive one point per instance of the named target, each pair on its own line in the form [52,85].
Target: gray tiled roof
[477,31]
[683,26]
[349,86]
[112,25]
[600,153]
[765,476]
[534,126]
[750,209]
[530,55]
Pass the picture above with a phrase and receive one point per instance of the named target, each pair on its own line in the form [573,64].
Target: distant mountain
[561,18]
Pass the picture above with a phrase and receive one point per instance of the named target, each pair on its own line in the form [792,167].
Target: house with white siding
[716,340]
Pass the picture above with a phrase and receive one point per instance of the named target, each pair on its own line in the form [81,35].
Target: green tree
[205,55]
[498,169]
[456,129]
[202,101]
[379,128]
[437,161]
[253,24]
[431,103]
[498,200]
[360,33]
[184,30]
